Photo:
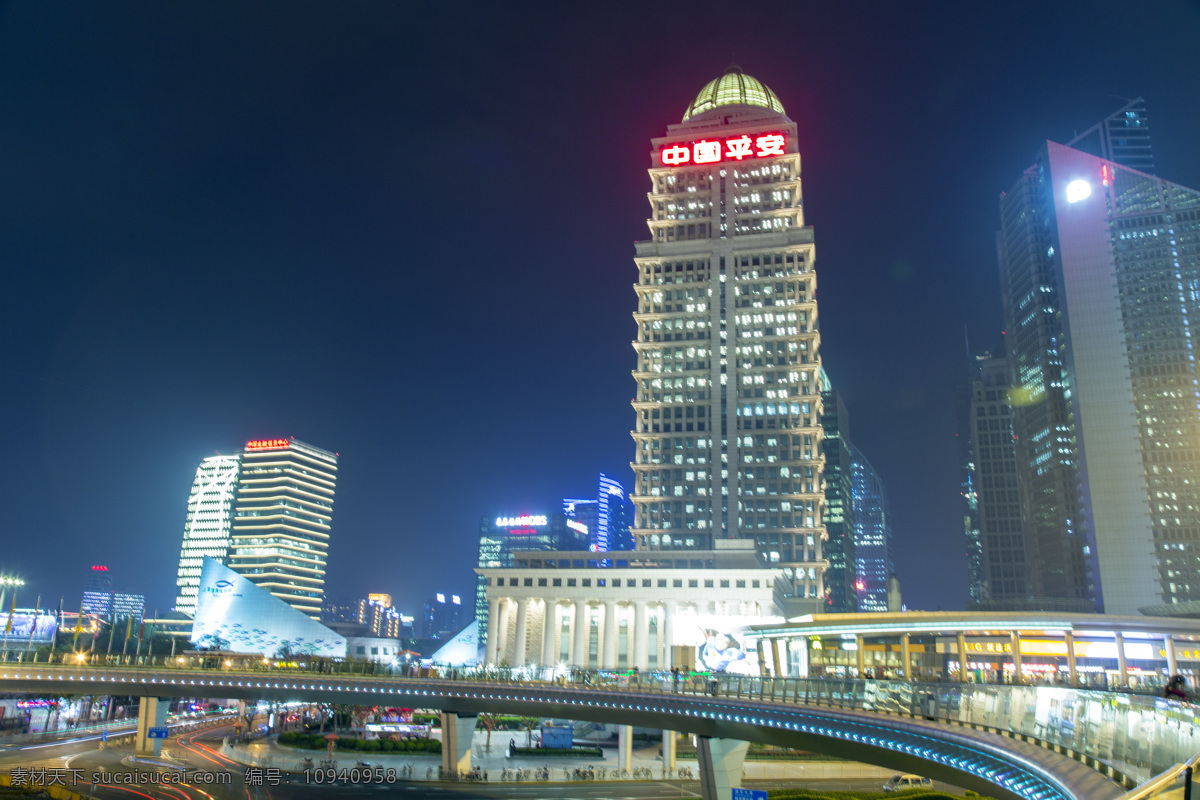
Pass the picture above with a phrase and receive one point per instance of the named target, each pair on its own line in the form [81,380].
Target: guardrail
[1130,738]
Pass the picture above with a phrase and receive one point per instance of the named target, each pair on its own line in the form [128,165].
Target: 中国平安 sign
[733,148]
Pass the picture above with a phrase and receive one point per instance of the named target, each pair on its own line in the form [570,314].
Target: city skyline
[197,265]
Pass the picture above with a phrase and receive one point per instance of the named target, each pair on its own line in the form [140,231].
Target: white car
[899,783]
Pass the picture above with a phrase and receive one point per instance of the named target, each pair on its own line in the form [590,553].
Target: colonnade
[583,633]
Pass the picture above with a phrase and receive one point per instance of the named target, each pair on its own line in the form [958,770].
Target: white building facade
[728,404]
[650,610]
[209,523]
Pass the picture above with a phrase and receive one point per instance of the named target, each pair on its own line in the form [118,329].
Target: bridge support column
[1122,671]
[579,653]
[668,750]
[457,733]
[1072,675]
[625,747]
[152,713]
[493,629]
[720,766]
[522,632]
[962,657]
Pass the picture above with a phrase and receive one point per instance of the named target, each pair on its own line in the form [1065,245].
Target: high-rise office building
[282,520]
[608,517]
[1123,136]
[97,592]
[728,405]
[1100,266]
[443,616]
[969,485]
[379,616]
[500,537]
[999,570]
[128,606]
[872,535]
[841,596]
[208,525]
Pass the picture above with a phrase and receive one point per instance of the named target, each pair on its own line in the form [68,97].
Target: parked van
[899,783]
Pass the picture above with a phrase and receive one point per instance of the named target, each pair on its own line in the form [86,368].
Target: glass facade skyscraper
[1123,136]
[608,517]
[841,595]
[998,568]
[727,435]
[872,534]
[1101,281]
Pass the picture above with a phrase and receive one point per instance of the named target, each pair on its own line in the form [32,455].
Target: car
[899,783]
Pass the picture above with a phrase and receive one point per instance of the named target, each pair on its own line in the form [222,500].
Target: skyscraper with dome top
[728,405]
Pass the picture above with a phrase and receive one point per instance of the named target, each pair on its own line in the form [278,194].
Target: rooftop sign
[267,444]
[525,520]
[734,148]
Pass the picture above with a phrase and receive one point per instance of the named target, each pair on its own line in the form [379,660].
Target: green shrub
[371,746]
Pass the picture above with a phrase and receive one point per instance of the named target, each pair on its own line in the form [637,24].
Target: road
[212,776]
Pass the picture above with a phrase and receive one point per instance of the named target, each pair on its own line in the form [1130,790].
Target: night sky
[406,235]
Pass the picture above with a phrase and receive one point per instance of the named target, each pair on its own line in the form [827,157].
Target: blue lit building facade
[872,534]
[608,517]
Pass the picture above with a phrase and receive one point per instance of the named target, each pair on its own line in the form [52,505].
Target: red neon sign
[98,568]
[266,444]
[733,148]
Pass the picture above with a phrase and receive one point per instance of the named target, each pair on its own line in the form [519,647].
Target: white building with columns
[650,610]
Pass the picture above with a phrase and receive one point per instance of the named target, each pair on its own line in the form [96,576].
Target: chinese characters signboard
[712,151]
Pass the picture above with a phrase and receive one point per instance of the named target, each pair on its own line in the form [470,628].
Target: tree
[488,721]
[529,723]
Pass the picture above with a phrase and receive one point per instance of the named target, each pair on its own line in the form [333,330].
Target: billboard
[233,614]
[720,641]
[24,622]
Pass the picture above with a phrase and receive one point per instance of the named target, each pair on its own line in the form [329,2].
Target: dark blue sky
[406,234]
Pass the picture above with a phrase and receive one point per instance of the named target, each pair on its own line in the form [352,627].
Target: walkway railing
[1129,737]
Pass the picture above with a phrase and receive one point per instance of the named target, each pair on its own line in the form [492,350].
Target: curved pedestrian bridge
[1039,742]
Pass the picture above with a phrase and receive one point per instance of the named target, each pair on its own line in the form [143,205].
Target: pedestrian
[675,679]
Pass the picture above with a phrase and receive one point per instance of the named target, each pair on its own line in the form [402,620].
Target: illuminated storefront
[1078,649]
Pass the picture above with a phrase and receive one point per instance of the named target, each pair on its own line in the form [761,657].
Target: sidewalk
[270,754]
